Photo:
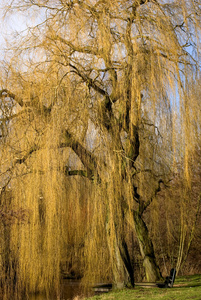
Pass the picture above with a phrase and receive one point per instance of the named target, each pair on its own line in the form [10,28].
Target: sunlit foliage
[99,106]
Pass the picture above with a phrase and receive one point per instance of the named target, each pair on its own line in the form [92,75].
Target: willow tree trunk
[122,269]
[147,250]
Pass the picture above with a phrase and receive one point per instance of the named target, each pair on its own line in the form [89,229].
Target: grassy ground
[185,288]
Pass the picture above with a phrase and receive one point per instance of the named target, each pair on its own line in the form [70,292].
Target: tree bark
[147,250]
[123,273]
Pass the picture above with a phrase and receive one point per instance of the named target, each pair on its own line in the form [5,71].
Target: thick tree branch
[82,173]
[34,103]
[143,205]
[89,161]
[90,82]
[107,117]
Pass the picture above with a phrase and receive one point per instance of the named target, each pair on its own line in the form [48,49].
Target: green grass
[186,288]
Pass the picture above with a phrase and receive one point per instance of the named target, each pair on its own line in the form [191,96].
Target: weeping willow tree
[94,115]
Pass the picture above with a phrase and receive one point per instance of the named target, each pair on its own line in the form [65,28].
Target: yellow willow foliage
[37,241]
[85,79]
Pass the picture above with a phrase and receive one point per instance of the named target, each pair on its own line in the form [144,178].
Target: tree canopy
[99,107]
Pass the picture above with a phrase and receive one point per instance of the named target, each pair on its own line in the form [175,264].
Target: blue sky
[8,25]
[15,22]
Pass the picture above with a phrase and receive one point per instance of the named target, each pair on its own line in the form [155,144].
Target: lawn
[185,288]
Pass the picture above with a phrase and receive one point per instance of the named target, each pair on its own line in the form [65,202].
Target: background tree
[97,90]
[176,231]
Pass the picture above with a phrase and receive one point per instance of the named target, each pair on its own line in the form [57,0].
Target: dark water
[69,290]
